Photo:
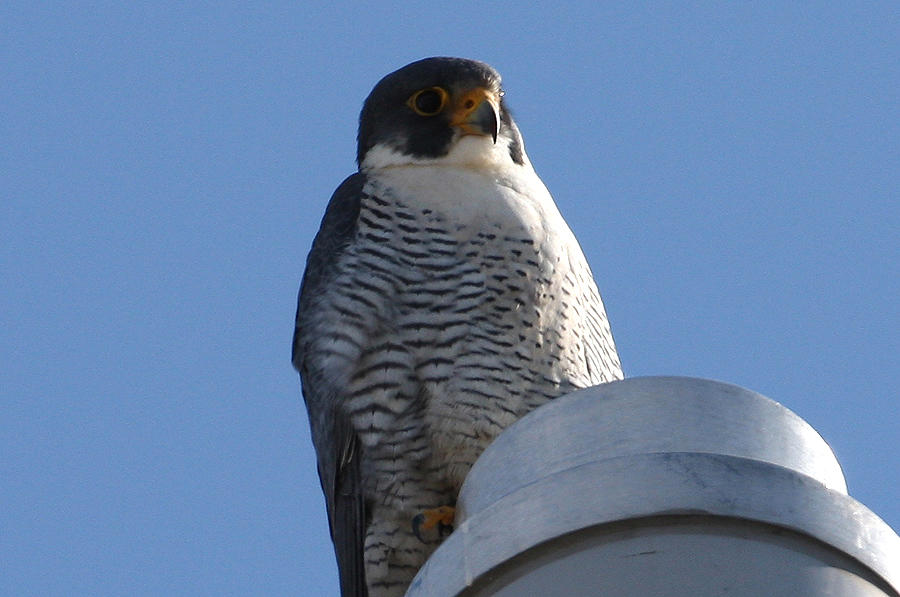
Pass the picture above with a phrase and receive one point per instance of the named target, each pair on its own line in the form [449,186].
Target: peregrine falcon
[444,298]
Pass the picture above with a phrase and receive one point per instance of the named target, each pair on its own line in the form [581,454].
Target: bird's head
[438,111]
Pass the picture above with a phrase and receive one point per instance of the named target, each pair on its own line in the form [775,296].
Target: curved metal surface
[644,415]
[659,484]
[682,556]
[648,447]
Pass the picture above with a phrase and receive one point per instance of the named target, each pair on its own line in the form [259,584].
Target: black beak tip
[495,129]
[486,120]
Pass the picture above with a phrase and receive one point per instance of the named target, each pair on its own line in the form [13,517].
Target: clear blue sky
[732,172]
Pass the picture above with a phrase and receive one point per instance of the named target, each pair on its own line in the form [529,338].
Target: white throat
[470,151]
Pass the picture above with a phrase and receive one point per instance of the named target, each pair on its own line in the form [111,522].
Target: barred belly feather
[452,319]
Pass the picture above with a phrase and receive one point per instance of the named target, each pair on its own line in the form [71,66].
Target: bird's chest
[459,296]
[477,275]
[466,260]
[469,304]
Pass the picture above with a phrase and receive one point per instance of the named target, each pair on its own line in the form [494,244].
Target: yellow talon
[440,517]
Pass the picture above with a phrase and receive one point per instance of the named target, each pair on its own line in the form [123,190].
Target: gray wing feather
[337,446]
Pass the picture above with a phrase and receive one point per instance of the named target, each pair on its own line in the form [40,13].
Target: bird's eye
[428,101]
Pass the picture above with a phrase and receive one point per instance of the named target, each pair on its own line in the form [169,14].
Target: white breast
[478,194]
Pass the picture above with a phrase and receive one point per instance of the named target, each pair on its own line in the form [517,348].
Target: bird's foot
[440,517]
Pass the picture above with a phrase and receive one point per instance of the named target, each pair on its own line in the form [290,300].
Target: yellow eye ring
[429,101]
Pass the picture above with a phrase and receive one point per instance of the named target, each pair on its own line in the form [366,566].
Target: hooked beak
[477,112]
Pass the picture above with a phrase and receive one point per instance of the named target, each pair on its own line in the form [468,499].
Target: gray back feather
[337,447]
